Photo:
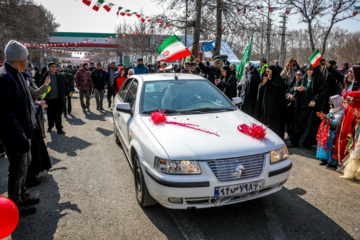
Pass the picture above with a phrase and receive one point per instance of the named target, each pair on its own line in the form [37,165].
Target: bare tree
[25,21]
[195,48]
[312,10]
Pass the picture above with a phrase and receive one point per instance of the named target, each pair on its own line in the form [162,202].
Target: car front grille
[226,169]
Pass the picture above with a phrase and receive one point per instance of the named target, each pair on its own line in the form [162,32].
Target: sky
[75,16]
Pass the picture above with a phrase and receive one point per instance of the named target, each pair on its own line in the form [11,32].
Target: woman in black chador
[250,89]
[271,101]
[309,99]
[230,82]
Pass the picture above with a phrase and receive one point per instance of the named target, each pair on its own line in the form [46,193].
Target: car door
[120,98]
[126,118]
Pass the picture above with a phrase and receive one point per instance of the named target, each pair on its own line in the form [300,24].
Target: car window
[124,89]
[182,95]
[132,92]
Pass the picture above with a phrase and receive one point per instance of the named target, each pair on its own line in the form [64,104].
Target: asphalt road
[89,194]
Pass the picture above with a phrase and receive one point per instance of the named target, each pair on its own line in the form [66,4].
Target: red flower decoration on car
[160,117]
[255,131]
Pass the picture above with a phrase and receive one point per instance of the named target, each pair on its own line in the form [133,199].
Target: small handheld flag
[315,58]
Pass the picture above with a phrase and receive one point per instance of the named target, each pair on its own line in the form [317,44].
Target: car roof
[167,77]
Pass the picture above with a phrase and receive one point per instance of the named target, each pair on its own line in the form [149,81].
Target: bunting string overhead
[121,11]
[287,10]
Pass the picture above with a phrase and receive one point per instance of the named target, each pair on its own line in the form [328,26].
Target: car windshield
[183,96]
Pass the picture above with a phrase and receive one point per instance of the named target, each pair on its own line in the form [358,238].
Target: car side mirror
[237,100]
[125,108]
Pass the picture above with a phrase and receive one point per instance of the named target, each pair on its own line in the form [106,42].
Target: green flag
[244,60]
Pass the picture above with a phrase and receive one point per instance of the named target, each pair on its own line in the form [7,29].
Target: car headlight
[279,155]
[177,166]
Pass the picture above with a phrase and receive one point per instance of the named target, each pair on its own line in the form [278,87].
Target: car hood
[184,143]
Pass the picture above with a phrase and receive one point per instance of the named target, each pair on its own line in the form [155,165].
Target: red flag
[143,19]
[87,2]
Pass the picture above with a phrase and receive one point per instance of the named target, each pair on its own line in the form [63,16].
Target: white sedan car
[207,164]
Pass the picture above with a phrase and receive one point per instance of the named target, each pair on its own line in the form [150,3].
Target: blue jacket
[15,122]
[141,69]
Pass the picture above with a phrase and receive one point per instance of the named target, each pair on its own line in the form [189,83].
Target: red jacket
[119,81]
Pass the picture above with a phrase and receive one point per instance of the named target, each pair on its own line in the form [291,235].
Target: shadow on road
[74,120]
[251,220]
[49,211]
[65,144]
[104,132]
[93,116]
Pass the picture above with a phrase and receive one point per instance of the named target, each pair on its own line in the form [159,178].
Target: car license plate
[238,189]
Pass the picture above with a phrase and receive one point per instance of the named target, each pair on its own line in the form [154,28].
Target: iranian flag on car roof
[172,49]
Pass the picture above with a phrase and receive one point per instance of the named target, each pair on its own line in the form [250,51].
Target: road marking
[273,223]
[187,227]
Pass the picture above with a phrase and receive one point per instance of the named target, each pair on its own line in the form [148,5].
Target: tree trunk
[268,32]
[311,37]
[325,39]
[195,49]
[218,28]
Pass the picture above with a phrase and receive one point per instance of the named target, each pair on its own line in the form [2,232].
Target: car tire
[117,140]
[142,194]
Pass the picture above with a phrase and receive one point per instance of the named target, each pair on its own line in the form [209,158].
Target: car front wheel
[142,194]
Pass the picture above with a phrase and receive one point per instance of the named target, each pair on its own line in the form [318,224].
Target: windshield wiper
[210,109]
[163,110]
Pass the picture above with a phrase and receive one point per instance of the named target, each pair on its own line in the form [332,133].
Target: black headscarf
[356,69]
[275,76]
[228,72]
[297,65]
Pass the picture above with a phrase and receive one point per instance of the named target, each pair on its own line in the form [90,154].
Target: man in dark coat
[213,70]
[99,79]
[56,98]
[69,82]
[16,124]
[110,81]
[271,101]
[250,89]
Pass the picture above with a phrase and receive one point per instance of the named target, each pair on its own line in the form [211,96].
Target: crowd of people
[310,105]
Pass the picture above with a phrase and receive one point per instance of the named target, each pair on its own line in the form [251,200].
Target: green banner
[244,60]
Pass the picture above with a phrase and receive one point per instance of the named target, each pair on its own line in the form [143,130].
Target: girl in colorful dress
[327,131]
[352,164]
